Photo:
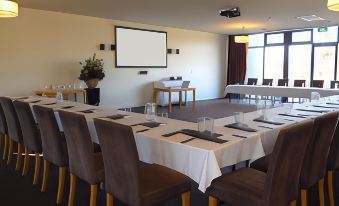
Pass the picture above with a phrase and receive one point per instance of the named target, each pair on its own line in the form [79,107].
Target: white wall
[41,47]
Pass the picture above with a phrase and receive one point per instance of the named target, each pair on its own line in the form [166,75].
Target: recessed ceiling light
[311,18]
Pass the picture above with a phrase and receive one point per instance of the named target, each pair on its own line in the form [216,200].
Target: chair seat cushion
[261,164]
[159,183]
[244,187]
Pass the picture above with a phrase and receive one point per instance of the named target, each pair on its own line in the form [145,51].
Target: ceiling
[201,15]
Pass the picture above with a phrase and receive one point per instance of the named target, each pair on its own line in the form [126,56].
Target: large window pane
[324,63]
[256,40]
[274,63]
[338,65]
[275,38]
[301,36]
[330,36]
[299,63]
[255,64]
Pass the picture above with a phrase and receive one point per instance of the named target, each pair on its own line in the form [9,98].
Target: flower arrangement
[92,68]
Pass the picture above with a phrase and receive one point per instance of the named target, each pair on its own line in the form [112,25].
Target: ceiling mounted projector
[230,13]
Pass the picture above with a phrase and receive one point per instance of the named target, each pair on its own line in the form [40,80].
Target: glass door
[324,64]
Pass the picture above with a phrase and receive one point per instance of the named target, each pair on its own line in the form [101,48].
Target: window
[299,63]
[324,64]
[331,35]
[275,38]
[274,62]
[257,40]
[255,63]
[302,36]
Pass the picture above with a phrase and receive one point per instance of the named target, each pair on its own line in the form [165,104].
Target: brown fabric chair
[279,187]
[84,162]
[317,83]
[333,166]
[14,130]
[282,82]
[125,180]
[314,165]
[252,81]
[31,136]
[299,83]
[267,82]
[3,132]
[334,84]
[53,146]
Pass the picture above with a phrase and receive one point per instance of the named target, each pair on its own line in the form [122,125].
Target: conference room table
[199,159]
[279,91]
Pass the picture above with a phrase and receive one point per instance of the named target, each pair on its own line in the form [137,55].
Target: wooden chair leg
[26,162]
[294,203]
[36,169]
[61,185]
[303,197]
[321,192]
[109,199]
[330,187]
[212,201]
[93,199]
[19,157]
[72,190]
[4,155]
[45,176]
[10,151]
[185,198]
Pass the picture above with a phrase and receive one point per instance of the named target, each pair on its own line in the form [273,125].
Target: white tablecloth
[279,91]
[198,159]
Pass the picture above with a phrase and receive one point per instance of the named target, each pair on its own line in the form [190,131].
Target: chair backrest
[315,164]
[3,123]
[185,84]
[282,82]
[317,83]
[120,160]
[13,125]
[333,157]
[267,82]
[30,132]
[80,147]
[299,83]
[252,81]
[281,186]
[53,146]
[334,84]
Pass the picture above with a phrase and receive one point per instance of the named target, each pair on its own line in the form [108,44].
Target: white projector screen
[138,48]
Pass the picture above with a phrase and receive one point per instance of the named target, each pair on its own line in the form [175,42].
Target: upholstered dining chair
[267,82]
[317,83]
[14,130]
[314,165]
[299,83]
[3,132]
[31,137]
[282,82]
[334,84]
[126,180]
[84,162]
[333,167]
[252,81]
[279,187]
[54,147]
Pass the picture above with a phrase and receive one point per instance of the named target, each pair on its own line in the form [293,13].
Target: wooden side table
[170,91]
[52,93]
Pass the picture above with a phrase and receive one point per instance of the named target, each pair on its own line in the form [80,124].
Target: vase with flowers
[92,71]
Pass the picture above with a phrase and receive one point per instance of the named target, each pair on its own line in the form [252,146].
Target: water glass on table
[206,125]
[239,118]
[150,111]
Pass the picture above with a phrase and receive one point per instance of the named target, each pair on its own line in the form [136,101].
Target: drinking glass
[261,108]
[315,97]
[59,97]
[289,108]
[206,125]
[150,111]
[239,118]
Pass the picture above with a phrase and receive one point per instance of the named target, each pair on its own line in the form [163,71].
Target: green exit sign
[322,29]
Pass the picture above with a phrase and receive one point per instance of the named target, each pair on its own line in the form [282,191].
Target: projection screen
[139,48]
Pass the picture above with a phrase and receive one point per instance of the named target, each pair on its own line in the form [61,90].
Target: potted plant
[92,71]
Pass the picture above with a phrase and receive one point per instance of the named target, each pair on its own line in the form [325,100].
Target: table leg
[169,101]
[180,99]
[185,98]
[155,96]
[194,99]
[75,97]
[85,97]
